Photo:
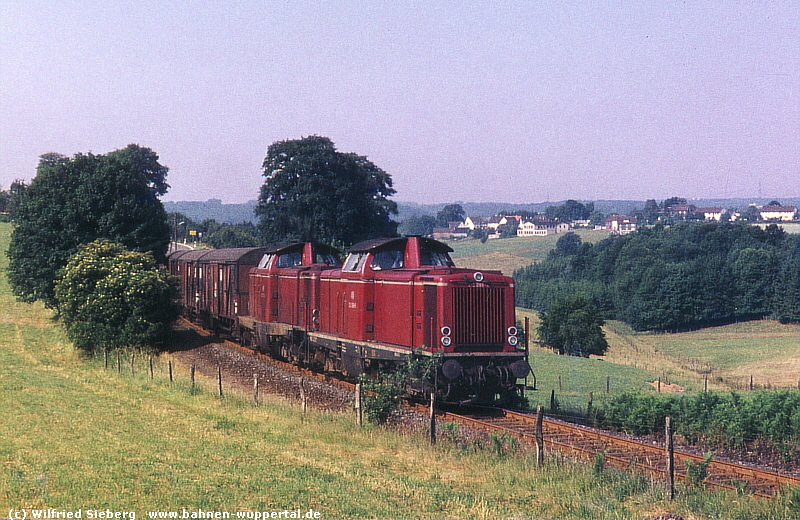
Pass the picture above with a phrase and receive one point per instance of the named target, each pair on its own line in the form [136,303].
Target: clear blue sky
[459,101]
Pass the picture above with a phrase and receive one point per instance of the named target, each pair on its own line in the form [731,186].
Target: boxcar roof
[177,254]
[232,255]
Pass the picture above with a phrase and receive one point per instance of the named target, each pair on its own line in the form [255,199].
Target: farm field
[729,355]
[510,254]
[75,435]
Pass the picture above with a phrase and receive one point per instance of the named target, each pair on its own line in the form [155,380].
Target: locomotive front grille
[478,318]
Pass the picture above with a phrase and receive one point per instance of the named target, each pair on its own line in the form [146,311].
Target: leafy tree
[112,298]
[314,192]
[450,213]
[15,192]
[570,210]
[567,244]
[650,212]
[573,326]
[233,236]
[417,225]
[509,230]
[74,201]
[5,200]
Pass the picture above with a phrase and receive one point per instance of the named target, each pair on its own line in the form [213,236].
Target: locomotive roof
[298,246]
[385,243]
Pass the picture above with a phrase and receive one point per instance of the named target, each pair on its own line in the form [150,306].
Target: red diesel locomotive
[391,299]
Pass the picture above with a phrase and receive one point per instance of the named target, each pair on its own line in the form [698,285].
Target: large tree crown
[314,192]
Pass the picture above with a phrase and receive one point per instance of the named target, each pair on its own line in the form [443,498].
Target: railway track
[622,452]
[578,441]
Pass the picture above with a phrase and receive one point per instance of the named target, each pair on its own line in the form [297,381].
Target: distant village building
[496,221]
[473,223]
[620,224]
[540,227]
[779,213]
[711,213]
[679,210]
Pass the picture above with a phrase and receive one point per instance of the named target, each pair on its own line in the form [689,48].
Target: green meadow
[76,435]
[510,254]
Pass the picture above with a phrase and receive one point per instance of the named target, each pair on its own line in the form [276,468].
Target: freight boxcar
[215,285]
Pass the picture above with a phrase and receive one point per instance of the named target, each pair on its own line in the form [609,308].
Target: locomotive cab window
[388,259]
[430,257]
[327,259]
[265,261]
[290,259]
[354,262]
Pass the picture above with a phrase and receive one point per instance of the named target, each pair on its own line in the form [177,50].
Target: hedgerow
[734,421]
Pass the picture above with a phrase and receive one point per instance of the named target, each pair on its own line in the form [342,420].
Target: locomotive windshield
[327,259]
[265,261]
[437,258]
[290,259]
[354,262]
[387,259]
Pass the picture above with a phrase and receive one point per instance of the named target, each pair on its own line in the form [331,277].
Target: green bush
[730,421]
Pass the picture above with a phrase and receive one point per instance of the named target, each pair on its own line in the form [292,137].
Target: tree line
[687,275]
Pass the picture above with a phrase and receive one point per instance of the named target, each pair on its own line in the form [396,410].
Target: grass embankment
[76,435]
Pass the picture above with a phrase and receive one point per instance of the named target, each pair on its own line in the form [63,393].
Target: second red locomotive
[391,299]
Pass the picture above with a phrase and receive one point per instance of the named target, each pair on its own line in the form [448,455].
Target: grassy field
[75,435]
[509,254]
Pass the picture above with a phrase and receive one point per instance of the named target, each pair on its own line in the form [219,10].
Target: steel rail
[625,453]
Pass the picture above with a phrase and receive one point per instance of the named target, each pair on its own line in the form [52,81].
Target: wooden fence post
[433,419]
[105,357]
[559,382]
[169,363]
[191,375]
[150,360]
[255,390]
[119,363]
[552,401]
[303,403]
[751,382]
[359,419]
[608,384]
[589,406]
[133,356]
[670,467]
[539,437]
[219,380]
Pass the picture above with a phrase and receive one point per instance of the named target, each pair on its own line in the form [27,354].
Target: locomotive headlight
[446,341]
[512,331]
[478,276]
[512,340]
[446,331]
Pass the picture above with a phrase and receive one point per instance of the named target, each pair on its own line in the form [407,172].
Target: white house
[473,223]
[541,228]
[780,213]
[711,213]
[620,224]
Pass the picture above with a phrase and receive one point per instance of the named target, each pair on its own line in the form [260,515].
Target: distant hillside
[238,213]
[214,209]
[622,207]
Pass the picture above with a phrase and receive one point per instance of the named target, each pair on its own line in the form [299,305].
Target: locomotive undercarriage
[457,378]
